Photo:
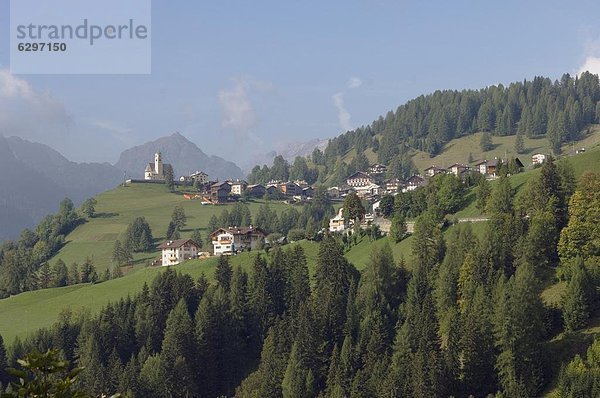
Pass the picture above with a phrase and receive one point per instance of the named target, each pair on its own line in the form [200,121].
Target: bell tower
[158,164]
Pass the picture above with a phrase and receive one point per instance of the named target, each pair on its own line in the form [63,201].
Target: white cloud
[26,112]
[238,113]
[591,64]
[354,82]
[343,114]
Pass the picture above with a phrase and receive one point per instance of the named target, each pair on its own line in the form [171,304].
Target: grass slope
[118,207]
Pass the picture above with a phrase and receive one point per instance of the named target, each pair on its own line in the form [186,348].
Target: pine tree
[74,275]
[178,217]
[483,191]
[398,227]
[178,352]
[61,274]
[575,302]
[486,142]
[45,276]
[197,237]
[519,143]
[223,272]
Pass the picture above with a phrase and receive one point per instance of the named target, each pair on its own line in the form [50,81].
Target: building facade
[174,252]
[157,171]
[230,240]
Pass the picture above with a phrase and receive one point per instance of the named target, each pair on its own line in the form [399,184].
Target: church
[157,171]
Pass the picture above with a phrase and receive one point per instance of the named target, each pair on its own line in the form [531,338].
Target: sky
[241,78]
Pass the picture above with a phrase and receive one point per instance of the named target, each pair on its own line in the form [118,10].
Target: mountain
[301,148]
[37,178]
[182,154]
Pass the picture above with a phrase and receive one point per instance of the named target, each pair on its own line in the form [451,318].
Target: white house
[177,251]
[359,179]
[232,239]
[413,183]
[238,186]
[538,158]
[157,170]
[337,223]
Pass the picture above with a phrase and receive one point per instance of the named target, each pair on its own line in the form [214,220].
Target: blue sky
[240,78]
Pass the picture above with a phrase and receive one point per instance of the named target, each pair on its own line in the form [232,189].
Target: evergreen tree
[178,353]
[519,143]
[223,273]
[45,276]
[74,275]
[89,207]
[576,301]
[178,217]
[353,208]
[121,254]
[197,237]
[61,274]
[486,142]
[169,179]
[483,191]
[398,227]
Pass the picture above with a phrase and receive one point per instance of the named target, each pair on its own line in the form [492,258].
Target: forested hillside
[462,316]
[559,111]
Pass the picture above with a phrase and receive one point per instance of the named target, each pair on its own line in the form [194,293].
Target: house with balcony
[176,251]
[227,241]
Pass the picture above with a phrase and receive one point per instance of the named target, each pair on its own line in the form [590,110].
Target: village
[368,185]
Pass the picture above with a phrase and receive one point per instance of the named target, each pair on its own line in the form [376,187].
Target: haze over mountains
[36,178]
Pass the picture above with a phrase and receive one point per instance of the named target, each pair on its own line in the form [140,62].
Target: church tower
[158,165]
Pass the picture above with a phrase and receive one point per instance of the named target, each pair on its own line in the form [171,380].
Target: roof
[456,165]
[359,174]
[219,184]
[493,163]
[177,243]
[433,168]
[238,182]
[240,230]
[255,186]
[415,178]
[150,167]
[481,162]
[519,163]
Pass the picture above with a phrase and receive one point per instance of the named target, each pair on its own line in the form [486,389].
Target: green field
[29,311]
[457,151]
[118,207]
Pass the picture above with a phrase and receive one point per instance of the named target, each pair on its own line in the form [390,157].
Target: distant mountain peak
[184,155]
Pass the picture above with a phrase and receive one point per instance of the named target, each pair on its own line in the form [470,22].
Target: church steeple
[158,164]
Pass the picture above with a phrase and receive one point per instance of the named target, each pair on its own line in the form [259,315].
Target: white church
[156,171]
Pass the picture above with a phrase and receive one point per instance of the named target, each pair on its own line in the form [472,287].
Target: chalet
[359,179]
[394,185]
[238,186]
[272,190]
[368,190]
[538,158]
[338,192]
[177,251]
[488,167]
[256,190]
[233,239]
[414,182]
[432,171]
[219,192]
[290,188]
[377,169]
[199,176]
[457,169]
[338,223]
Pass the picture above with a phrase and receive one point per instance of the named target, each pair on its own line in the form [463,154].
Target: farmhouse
[230,240]
[487,167]
[359,179]
[414,182]
[538,158]
[433,170]
[177,251]
[256,190]
[220,191]
[377,169]
[158,170]
[457,169]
